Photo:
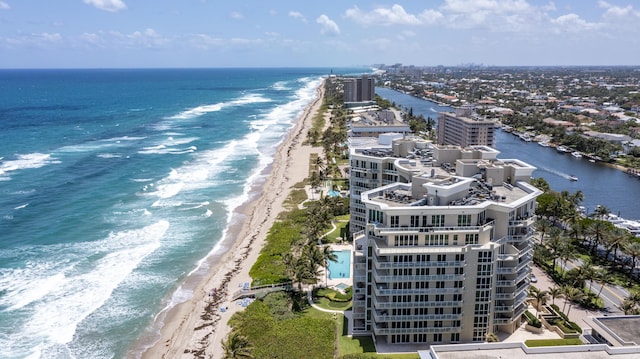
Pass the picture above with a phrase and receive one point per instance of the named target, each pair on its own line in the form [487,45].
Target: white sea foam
[281,86]
[21,206]
[100,145]
[204,109]
[28,161]
[109,155]
[142,179]
[170,145]
[67,284]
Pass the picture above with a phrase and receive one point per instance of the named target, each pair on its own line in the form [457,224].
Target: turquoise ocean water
[116,184]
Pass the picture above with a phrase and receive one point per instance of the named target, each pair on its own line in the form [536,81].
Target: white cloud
[4,6]
[573,23]
[551,6]
[329,27]
[297,15]
[41,40]
[616,11]
[383,16]
[395,15]
[236,15]
[107,5]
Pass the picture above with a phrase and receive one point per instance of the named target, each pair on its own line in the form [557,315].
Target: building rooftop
[521,351]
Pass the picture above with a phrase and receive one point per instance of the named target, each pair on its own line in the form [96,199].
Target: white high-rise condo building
[443,241]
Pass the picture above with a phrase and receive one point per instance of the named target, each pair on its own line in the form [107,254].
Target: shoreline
[196,327]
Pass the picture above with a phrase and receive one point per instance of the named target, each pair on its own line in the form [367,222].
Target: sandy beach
[195,328]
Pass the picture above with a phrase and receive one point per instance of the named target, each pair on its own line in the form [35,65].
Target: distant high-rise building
[464,128]
[359,89]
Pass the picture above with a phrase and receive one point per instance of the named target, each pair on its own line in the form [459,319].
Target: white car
[533,278]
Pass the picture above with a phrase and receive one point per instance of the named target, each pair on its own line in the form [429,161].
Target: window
[464,220]
[420,338]
[484,269]
[437,220]
[395,221]
[485,257]
[437,240]
[471,238]
[415,221]
[423,271]
[406,240]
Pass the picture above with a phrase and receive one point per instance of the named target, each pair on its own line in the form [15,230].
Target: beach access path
[196,328]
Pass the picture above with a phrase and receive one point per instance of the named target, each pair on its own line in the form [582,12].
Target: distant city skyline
[207,33]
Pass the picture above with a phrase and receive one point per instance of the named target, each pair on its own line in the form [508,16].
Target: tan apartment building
[464,128]
[445,253]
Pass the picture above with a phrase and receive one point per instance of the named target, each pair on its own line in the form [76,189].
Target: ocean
[116,184]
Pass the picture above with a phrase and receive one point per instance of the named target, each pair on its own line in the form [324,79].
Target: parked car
[534,279]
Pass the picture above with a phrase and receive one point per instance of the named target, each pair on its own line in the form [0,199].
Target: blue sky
[259,33]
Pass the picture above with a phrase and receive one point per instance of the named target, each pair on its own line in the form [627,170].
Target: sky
[330,33]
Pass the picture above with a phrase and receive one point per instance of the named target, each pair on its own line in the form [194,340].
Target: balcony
[416,278]
[381,330]
[524,222]
[386,304]
[384,264]
[382,229]
[380,317]
[503,309]
[385,291]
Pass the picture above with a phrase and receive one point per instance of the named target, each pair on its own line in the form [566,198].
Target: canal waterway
[600,184]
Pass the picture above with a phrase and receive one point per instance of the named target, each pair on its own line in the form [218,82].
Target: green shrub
[532,320]
[333,295]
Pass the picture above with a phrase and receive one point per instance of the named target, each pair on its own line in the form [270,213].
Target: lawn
[552,342]
[339,231]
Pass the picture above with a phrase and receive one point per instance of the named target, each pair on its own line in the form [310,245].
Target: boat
[543,144]
[573,178]
[562,149]
[576,154]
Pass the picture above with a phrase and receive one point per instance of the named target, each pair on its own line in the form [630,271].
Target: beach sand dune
[195,328]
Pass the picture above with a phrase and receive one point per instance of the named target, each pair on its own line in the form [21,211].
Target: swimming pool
[333,193]
[341,268]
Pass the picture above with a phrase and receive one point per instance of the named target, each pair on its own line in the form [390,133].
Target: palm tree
[588,272]
[573,295]
[566,253]
[600,212]
[554,292]
[542,226]
[328,255]
[236,347]
[540,296]
[612,240]
[632,249]
[631,303]
[596,231]
[554,243]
